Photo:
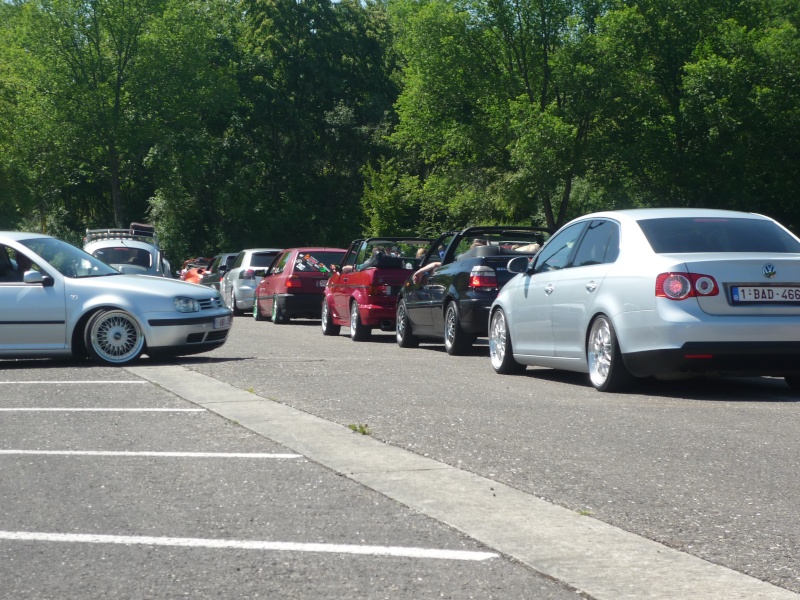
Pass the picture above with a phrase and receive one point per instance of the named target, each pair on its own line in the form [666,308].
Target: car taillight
[294,282]
[378,290]
[482,277]
[679,286]
[248,274]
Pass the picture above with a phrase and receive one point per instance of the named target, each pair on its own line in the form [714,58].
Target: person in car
[420,273]
[23,264]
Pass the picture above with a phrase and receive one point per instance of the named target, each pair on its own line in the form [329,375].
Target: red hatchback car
[294,283]
[362,292]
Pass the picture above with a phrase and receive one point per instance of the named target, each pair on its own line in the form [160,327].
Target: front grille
[217,335]
[210,303]
[194,338]
[213,336]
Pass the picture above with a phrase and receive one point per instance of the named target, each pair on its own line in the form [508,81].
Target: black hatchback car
[449,297]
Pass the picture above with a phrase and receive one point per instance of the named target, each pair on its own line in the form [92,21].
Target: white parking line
[151,454]
[36,409]
[137,381]
[246,545]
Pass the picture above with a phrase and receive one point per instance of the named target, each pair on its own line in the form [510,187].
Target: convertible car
[362,290]
[449,298]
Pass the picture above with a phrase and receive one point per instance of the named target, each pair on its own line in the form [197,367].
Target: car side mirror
[518,264]
[260,273]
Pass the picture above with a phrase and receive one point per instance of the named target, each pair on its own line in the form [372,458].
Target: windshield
[67,259]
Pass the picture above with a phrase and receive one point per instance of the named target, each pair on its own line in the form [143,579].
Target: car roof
[640,214]
[261,250]
[22,235]
[119,243]
[314,249]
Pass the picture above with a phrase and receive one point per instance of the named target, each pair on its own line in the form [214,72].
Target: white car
[59,301]
[655,292]
[238,285]
[132,251]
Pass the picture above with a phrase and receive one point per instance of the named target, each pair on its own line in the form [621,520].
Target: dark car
[362,292]
[462,274]
[219,266]
[294,283]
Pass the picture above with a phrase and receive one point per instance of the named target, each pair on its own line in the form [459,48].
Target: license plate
[322,282]
[222,322]
[771,293]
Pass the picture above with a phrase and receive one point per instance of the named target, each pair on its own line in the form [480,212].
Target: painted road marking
[138,381]
[130,540]
[35,409]
[150,454]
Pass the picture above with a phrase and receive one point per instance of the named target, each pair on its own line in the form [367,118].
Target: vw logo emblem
[769,271]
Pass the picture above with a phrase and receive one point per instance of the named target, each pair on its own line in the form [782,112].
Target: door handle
[548,289]
[591,286]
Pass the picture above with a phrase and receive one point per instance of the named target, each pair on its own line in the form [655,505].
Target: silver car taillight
[679,286]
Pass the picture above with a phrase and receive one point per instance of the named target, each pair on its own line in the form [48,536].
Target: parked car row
[618,295]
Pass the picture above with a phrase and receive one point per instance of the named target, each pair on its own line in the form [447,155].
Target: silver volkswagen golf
[655,292]
[57,300]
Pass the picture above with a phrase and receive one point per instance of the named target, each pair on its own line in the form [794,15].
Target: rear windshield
[124,256]
[684,234]
[262,260]
[317,262]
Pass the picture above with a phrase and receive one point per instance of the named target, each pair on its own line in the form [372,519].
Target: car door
[226,282]
[33,315]
[579,284]
[337,283]
[349,280]
[533,295]
[269,284]
[423,296]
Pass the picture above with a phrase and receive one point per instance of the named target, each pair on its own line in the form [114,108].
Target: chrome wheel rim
[600,351]
[324,315]
[497,339]
[116,337]
[274,309]
[400,324]
[353,316]
[450,325]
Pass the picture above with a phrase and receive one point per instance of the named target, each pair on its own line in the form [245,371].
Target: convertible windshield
[67,259]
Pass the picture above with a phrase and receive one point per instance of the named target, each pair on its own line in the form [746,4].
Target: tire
[277,314]
[607,372]
[456,340]
[358,331]
[500,350]
[237,312]
[405,336]
[257,313]
[113,337]
[794,383]
[328,327]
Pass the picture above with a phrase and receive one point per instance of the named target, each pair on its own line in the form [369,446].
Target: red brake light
[248,274]
[482,277]
[294,282]
[679,286]
[378,290]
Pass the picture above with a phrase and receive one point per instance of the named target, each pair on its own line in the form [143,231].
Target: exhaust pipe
[387,325]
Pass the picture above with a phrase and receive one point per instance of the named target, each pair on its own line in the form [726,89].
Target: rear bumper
[301,305]
[374,315]
[474,315]
[741,358]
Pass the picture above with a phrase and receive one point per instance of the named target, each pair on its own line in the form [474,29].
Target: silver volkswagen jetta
[655,292]
[57,300]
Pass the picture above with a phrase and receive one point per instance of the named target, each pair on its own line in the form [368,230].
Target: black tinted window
[679,235]
[262,260]
[557,250]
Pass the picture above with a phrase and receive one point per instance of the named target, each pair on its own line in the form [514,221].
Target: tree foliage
[283,122]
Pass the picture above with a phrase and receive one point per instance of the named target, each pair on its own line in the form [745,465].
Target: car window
[67,259]
[693,234]
[123,255]
[262,259]
[239,260]
[280,264]
[600,244]
[556,252]
[316,262]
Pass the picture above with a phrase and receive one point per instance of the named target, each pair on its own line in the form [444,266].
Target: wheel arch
[78,345]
